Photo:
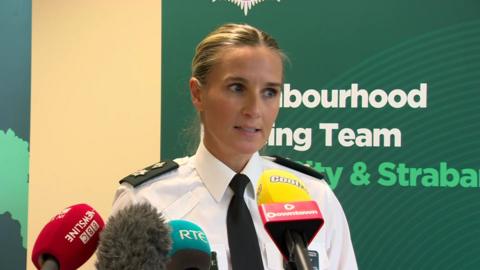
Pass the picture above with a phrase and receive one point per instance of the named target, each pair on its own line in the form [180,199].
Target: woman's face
[240,100]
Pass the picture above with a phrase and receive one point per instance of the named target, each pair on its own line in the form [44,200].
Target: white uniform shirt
[198,191]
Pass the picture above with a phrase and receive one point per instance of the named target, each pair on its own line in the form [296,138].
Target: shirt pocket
[181,206]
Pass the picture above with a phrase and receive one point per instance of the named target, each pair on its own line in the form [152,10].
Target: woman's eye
[270,92]
[235,87]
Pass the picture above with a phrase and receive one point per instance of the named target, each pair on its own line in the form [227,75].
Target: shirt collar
[216,176]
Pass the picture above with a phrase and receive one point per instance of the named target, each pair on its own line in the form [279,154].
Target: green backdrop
[414,206]
[15,47]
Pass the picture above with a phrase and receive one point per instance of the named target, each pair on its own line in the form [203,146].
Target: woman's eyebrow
[236,78]
[243,80]
[274,84]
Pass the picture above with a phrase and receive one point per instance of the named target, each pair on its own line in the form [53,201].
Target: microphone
[190,248]
[289,215]
[69,239]
[136,237]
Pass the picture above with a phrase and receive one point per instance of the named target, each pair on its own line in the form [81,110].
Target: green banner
[381,96]
[15,51]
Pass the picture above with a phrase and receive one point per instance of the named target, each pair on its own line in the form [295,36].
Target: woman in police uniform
[237,75]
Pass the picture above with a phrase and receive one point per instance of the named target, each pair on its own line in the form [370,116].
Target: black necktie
[242,238]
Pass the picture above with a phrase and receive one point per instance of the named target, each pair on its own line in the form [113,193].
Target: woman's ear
[196,93]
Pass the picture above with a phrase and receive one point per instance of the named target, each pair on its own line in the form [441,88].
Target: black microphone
[136,237]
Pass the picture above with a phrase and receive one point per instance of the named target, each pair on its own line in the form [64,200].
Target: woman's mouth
[247,129]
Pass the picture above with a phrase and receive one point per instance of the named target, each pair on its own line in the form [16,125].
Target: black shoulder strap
[298,167]
[143,175]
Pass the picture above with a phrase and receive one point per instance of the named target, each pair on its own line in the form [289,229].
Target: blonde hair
[227,36]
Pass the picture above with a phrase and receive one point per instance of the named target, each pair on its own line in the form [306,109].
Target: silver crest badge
[245,5]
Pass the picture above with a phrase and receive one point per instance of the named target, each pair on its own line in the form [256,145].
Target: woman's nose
[252,105]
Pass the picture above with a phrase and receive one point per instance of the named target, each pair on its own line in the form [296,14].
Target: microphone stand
[298,254]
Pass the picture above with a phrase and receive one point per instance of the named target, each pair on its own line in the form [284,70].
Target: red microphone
[290,216]
[69,239]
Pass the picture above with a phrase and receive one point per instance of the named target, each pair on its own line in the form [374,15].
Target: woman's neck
[236,162]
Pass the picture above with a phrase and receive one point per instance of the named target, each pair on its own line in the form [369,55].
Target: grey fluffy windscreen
[136,237]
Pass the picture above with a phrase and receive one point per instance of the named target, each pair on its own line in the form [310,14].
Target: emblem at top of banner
[245,5]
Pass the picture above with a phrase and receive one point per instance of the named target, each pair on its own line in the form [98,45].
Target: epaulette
[298,167]
[141,176]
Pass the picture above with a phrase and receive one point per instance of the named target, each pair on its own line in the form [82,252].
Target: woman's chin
[248,148]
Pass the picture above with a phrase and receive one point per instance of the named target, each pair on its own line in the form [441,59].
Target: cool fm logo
[245,5]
